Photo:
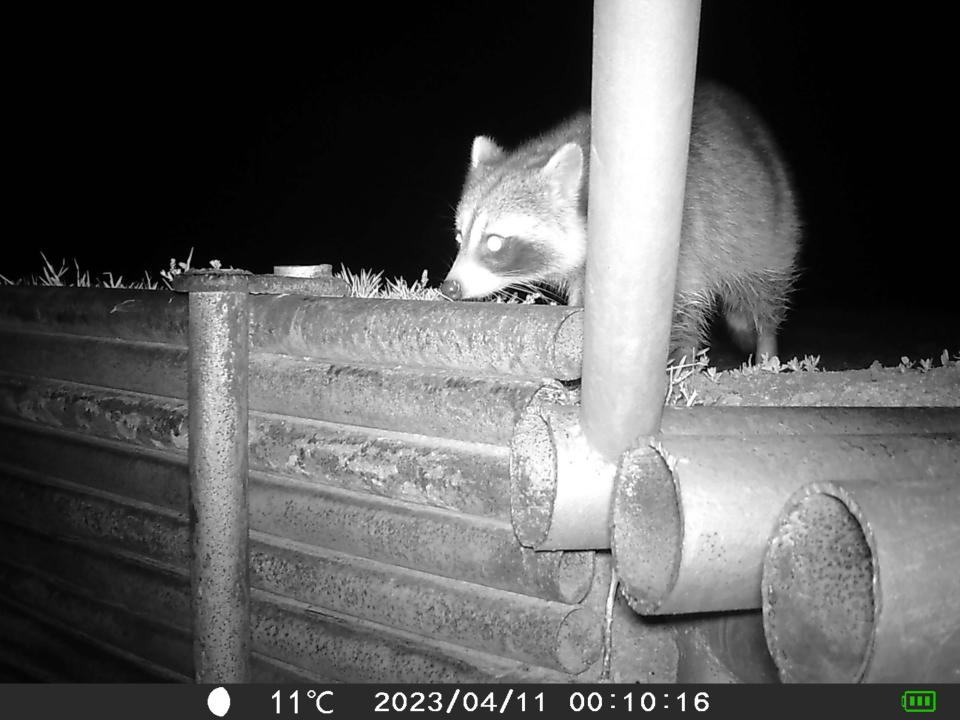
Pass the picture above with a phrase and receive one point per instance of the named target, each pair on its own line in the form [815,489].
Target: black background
[342,135]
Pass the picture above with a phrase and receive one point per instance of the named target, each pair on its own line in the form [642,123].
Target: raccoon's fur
[521,221]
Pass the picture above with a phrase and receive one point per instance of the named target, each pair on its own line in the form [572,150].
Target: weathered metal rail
[378,489]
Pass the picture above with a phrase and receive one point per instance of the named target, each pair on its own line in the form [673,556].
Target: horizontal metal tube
[550,634]
[641,651]
[692,519]
[471,478]
[140,315]
[485,338]
[742,421]
[150,421]
[80,649]
[861,580]
[434,541]
[115,436]
[51,651]
[723,648]
[42,503]
[120,577]
[517,340]
[264,669]
[561,489]
[440,542]
[151,591]
[155,477]
[349,650]
[151,368]
[459,407]
[154,641]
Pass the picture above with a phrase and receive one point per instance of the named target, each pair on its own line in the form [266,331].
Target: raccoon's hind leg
[753,309]
[743,329]
[688,335]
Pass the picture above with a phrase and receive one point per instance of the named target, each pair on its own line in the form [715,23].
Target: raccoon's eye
[494,243]
[459,238]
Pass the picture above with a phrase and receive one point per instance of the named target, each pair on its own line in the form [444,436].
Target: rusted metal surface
[690,529]
[218,382]
[459,407]
[157,642]
[742,421]
[561,492]
[861,580]
[481,338]
[43,504]
[472,478]
[517,340]
[304,271]
[311,286]
[351,650]
[561,487]
[150,476]
[468,477]
[150,368]
[94,430]
[55,652]
[124,579]
[270,670]
[137,315]
[728,648]
[145,420]
[643,650]
[229,280]
[416,537]
[550,634]
[119,579]
[644,57]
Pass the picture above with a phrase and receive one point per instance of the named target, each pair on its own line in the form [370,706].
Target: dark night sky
[343,137]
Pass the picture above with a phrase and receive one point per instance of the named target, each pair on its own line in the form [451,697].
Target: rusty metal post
[644,56]
[219,354]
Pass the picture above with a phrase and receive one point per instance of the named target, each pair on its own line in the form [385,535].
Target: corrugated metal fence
[381,547]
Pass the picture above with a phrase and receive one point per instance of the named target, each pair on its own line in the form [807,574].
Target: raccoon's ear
[484,150]
[564,170]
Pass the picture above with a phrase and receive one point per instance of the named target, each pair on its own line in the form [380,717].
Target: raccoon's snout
[451,289]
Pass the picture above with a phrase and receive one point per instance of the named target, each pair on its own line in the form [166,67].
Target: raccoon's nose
[451,289]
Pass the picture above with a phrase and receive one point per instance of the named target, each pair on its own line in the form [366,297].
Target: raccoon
[521,221]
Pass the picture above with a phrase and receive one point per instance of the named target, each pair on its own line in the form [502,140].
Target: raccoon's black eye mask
[512,255]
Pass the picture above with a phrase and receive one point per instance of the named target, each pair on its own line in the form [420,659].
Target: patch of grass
[679,391]
[809,363]
[66,275]
[926,365]
[370,284]
[363,284]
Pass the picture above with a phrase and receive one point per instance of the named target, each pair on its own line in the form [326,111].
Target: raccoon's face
[518,221]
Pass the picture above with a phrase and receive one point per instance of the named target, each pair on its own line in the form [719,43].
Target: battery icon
[919,701]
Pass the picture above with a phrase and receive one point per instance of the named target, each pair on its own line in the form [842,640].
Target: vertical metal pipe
[644,57]
[219,352]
